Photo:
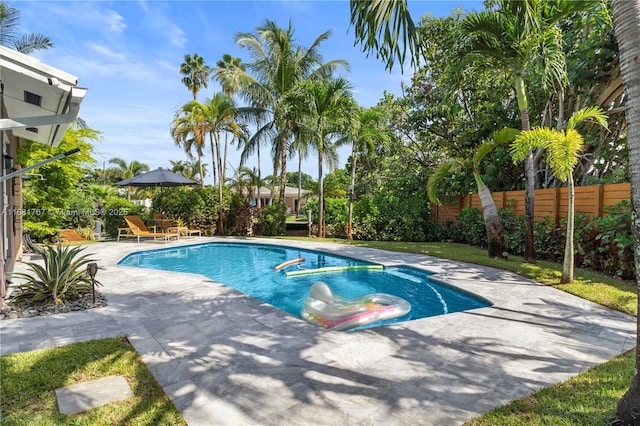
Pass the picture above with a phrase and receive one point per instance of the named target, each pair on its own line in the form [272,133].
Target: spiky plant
[62,278]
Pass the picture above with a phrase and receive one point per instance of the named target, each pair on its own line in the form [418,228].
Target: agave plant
[62,278]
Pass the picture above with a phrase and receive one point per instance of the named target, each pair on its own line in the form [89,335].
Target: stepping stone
[87,395]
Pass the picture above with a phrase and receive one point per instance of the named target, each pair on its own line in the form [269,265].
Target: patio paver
[225,358]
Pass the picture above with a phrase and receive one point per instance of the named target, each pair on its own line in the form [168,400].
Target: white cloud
[115,21]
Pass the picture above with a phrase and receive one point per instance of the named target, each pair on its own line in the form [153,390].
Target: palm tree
[213,117]
[225,73]
[26,43]
[278,64]
[188,169]
[626,18]
[187,130]
[365,133]
[523,36]
[563,148]
[218,116]
[129,170]
[195,73]
[324,109]
[495,235]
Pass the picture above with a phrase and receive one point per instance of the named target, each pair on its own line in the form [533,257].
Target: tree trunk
[626,18]
[201,171]
[530,175]
[259,204]
[495,234]
[320,197]
[567,264]
[299,184]
[283,178]
[352,187]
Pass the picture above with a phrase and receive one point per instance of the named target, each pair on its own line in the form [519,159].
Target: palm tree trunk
[530,175]
[567,264]
[201,170]
[626,18]
[283,177]
[299,184]
[320,197]
[213,160]
[259,204]
[352,187]
[495,234]
[220,183]
[223,172]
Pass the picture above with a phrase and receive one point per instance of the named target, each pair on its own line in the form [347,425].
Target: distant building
[267,197]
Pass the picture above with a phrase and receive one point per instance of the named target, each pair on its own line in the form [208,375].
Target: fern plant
[62,278]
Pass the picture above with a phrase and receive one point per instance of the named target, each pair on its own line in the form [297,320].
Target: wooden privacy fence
[551,202]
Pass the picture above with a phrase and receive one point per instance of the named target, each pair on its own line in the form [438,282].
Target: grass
[28,382]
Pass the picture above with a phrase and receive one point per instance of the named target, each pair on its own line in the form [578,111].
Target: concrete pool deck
[225,358]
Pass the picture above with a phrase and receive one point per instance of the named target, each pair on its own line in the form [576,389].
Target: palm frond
[385,28]
[438,176]
[529,140]
[594,113]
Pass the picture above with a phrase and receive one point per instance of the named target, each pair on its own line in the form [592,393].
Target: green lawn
[28,382]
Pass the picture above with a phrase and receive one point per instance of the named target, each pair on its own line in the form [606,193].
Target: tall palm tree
[9,37]
[218,115]
[225,73]
[367,130]
[626,18]
[563,148]
[129,170]
[495,235]
[195,73]
[324,109]
[522,36]
[188,131]
[277,65]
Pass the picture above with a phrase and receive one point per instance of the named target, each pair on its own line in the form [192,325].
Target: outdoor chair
[136,228]
[170,225]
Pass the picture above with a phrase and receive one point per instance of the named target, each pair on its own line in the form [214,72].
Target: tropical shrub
[615,242]
[194,207]
[548,240]
[62,278]
[270,220]
[335,215]
[387,216]
[240,218]
[40,231]
[513,227]
[471,225]
[114,210]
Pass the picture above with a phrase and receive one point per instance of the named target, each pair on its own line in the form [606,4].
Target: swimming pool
[249,268]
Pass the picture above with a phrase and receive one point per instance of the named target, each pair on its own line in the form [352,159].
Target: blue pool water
[249,268]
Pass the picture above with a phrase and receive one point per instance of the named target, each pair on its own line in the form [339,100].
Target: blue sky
[128,54]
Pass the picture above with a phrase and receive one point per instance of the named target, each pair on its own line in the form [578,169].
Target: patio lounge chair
[136,228]
[169,225]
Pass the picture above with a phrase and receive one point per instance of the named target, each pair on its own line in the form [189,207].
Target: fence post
[599,199]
